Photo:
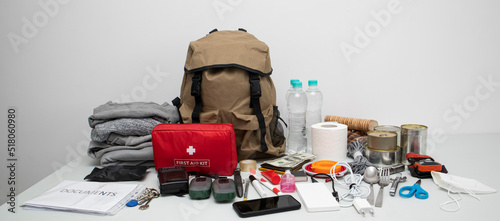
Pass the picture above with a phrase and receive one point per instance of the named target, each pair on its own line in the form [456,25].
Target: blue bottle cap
[313,83]
[297,84]
[293,80]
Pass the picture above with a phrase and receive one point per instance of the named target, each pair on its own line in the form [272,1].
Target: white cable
[352,182]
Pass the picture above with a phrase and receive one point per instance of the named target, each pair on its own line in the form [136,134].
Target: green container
[224,189]
[200,188]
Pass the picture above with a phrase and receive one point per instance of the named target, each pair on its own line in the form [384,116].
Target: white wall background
[429,63]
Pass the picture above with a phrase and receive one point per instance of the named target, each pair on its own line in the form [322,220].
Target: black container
[173,180]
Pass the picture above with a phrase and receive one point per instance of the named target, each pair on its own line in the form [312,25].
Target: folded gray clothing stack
[141,154]
[123,127]
[127,140]
[98,150]
[143,157]
[164,113]
[121,133]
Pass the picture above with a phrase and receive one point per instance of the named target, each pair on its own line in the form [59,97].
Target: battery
[413,139]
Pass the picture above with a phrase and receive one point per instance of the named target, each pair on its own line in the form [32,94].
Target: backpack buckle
[256,94]
[255,90]
[196,85]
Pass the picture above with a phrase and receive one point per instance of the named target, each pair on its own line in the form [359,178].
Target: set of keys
[143,200]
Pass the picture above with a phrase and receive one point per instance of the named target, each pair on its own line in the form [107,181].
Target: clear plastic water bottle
[289,91]
[287,184]
[314,104]
[297,106]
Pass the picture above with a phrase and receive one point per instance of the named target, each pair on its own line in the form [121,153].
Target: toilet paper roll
[329,141]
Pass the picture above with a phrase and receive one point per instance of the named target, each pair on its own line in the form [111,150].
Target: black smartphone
[267,205]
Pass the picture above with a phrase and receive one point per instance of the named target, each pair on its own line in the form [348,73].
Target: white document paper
[86,197]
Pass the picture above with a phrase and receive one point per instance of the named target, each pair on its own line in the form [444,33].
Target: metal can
[382,140]
[413,139]
[383,157]
[391,128]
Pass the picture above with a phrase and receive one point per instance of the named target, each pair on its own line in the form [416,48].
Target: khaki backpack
[227,80]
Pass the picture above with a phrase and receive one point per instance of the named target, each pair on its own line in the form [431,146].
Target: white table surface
[471,156]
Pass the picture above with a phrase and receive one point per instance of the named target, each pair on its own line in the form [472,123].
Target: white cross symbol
[191,150]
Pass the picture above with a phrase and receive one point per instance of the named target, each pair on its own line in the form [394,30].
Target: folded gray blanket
[142,157]
[124,127]
[117,139]
[164,113]
[97,149]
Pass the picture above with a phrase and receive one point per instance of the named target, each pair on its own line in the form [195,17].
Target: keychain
[143,200]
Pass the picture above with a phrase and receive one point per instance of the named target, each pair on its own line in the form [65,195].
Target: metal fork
[384,181]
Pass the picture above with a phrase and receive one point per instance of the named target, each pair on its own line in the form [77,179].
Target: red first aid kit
[203,148]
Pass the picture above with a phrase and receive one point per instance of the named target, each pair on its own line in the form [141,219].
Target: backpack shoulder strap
[255,94]
[196,93]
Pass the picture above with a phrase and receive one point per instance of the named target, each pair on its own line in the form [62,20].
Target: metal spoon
[371,177]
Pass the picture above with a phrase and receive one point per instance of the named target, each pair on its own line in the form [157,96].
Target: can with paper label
[413,139]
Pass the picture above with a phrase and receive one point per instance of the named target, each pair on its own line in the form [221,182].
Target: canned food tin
[391,128]
[413,139]
[383,157]
[382,140]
